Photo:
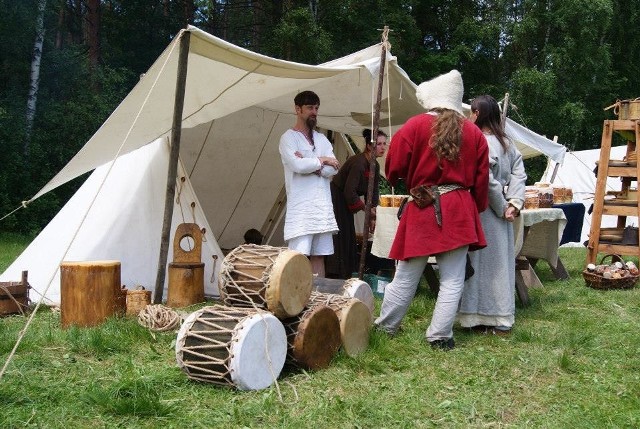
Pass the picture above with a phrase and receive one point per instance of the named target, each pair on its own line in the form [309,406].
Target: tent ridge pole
[176,130]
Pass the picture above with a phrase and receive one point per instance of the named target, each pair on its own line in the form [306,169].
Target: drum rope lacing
[221,316]
[255,253]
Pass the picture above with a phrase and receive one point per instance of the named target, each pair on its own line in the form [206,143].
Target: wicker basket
[137,299]
[596,281]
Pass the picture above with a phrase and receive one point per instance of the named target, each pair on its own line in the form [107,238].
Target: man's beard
[311,122]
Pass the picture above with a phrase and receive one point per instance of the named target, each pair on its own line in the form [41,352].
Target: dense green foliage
[561,62]
[571,361]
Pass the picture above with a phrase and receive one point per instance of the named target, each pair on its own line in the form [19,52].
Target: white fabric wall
[116,215]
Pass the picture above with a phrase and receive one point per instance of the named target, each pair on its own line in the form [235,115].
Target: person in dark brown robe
[347,186]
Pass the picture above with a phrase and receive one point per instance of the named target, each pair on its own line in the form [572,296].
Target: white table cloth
[545,227]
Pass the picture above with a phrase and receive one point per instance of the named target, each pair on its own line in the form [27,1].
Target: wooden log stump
[186,284]
[90,292]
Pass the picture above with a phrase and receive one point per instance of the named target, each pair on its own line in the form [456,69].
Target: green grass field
[571,362]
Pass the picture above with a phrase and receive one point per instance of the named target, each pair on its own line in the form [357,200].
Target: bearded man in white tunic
[309,164]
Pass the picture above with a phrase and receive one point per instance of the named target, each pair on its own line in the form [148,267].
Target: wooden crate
[14,296]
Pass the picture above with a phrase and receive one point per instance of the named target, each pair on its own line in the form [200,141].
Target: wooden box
[14,296]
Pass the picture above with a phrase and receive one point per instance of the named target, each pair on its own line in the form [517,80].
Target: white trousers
[400,292]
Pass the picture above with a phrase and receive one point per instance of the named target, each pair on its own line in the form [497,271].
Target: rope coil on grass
[159,318]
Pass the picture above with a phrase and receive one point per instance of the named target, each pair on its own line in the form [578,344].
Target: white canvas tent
[577,172]
[237,104]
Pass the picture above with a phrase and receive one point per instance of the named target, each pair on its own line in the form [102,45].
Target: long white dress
[489,296]
[307,182]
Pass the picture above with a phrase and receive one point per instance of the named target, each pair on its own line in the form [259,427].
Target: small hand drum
[240,347]
[356,288]
[313,337]
[272,278]
[354,317]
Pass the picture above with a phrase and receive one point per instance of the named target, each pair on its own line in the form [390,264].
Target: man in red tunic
[443,152]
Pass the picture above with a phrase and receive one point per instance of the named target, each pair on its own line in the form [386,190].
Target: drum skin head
[355,324]
[290,284]
[318,338]
[258,351]
[356,288]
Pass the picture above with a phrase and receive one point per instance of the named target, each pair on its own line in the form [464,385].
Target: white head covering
[444,91]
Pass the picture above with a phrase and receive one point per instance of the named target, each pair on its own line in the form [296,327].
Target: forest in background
[67,64]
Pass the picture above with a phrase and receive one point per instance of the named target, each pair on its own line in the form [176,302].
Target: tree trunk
[189,10]
[35,74]
[93,32]
[60,29]
[76,27]
[258,20]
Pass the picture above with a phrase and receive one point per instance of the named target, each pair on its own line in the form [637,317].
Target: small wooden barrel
[313,337]
[186,284]
[137,299]
[90,292]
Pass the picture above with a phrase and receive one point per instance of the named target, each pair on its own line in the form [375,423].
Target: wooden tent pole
[372,161]
[176,130]
[555,168]
[505,106]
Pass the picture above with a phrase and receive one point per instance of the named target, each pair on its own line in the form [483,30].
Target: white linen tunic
[309,207]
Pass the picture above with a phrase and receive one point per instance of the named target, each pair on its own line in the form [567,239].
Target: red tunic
[411,158]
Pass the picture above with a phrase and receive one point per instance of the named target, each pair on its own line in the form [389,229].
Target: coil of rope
[159,318]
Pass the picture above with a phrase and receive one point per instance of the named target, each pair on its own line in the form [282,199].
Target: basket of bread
[611,273]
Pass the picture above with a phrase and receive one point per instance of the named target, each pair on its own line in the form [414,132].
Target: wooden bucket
[186,284]
[90,292]
[14,296]
[137,299]
[628,109]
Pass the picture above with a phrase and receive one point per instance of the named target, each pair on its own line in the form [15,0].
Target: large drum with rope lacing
[272,278]
[240,347]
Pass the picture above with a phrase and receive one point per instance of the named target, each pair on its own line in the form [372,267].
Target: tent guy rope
[23,331]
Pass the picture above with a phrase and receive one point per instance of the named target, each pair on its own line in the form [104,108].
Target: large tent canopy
[237,104]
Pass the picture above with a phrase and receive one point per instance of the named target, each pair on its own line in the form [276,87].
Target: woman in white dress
[488,300]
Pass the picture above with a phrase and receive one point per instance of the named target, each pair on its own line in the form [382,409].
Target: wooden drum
[240,347]
[313,337]
[90,292]
[351,288]
[354,317]
[272,278]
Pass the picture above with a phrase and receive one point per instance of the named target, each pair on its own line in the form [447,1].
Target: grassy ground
[572,361]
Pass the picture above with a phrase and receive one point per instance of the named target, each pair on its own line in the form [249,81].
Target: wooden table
[538,233]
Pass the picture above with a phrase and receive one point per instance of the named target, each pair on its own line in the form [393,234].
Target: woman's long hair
[488,112]
[446,138]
